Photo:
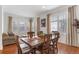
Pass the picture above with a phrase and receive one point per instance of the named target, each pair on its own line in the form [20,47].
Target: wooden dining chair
[30,34]
[39,50]
[54,41]
[46,45]
[23,48]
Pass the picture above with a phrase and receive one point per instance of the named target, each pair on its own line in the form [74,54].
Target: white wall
[1,28]
[5,22]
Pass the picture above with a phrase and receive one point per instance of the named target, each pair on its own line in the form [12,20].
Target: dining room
[40,29]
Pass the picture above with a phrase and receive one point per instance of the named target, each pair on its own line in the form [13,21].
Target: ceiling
[28,10]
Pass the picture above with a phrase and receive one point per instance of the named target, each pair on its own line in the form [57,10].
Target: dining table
[33,42]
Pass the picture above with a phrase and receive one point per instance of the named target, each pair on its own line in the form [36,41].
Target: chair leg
[34,51]
[19,52]
[56,50]
[53,50]
[48,51]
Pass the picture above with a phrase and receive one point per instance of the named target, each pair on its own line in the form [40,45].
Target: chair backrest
[48,37]
[18,45]
[40,33]
[56,34]
[42,37]
[31,34]
[47,41]
[55,39]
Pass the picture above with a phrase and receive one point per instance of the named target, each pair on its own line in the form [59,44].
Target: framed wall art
[43,22]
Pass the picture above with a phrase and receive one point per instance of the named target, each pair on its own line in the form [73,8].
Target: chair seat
[25,48]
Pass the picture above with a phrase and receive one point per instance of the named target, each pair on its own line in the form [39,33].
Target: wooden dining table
[33,42]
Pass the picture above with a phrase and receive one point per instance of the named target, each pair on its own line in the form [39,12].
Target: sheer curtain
[48,23]
[9,23]
[72,32]
[38,24]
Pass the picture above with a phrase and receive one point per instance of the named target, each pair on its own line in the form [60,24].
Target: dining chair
[46,45]
[23,48]
[30,34]
[39,50]
[54,41]
[40,33]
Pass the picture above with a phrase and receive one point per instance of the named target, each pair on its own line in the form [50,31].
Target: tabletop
[33,42]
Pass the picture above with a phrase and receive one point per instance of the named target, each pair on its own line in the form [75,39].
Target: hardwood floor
[66,49]
[62,49]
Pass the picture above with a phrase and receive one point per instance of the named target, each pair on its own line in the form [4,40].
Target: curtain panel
[10,24]
[48,23]
[72,32]
[38,24]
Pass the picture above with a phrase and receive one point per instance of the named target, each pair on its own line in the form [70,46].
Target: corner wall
[1,47]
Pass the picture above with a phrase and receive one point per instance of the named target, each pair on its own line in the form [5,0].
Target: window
[33,25]
[54,23]
[59,22]
[21,26]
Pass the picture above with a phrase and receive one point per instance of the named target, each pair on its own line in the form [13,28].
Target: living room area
[20,20]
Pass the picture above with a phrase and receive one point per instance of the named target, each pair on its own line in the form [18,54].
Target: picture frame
[43,22]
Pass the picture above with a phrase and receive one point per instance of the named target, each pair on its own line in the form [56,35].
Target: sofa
[8,38]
